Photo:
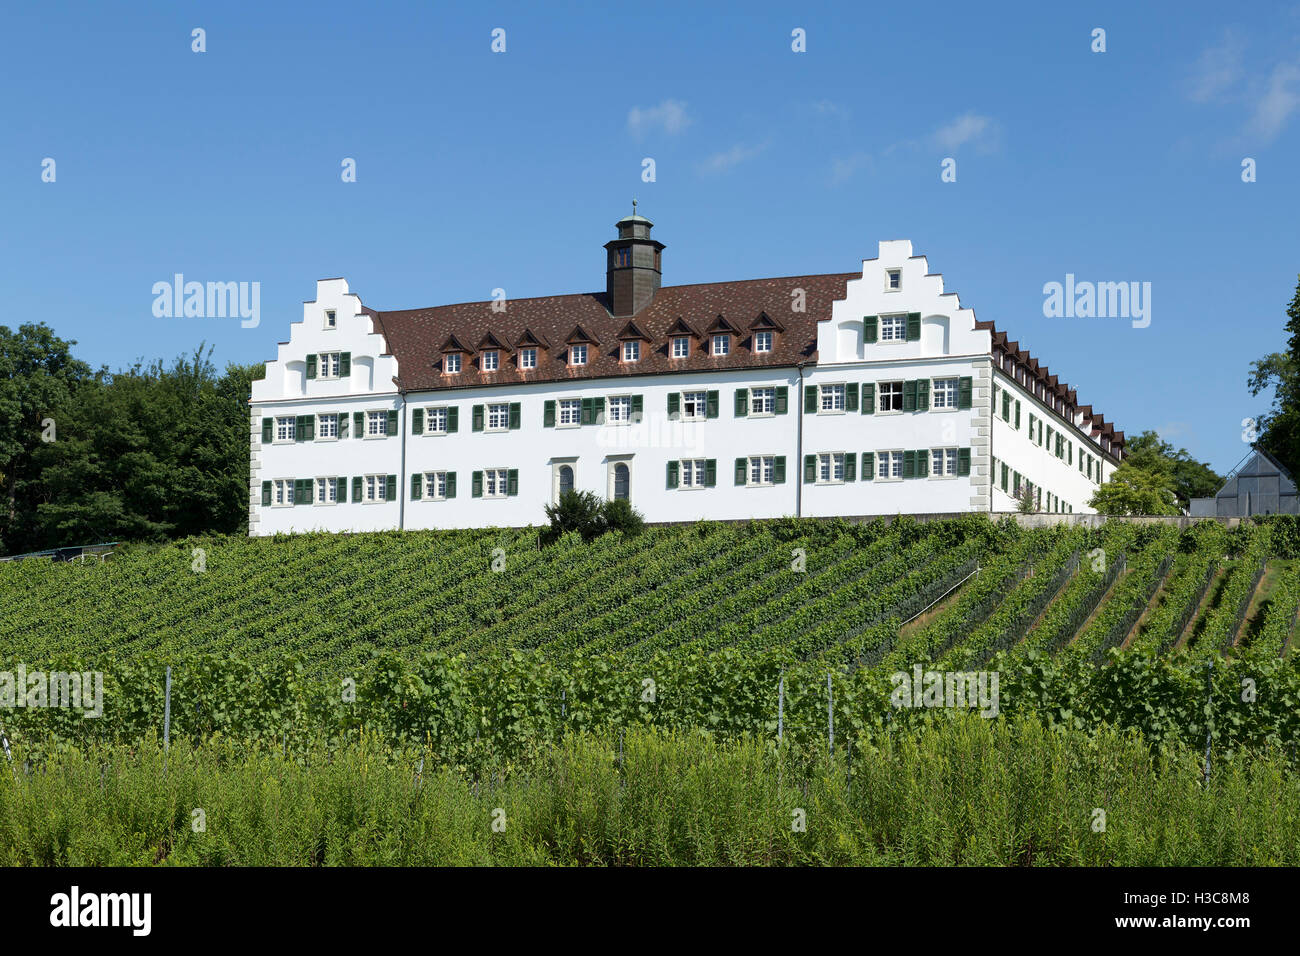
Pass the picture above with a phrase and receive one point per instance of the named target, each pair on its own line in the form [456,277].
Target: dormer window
[491,360]
[528,358]
[577,355]
[762,341]
[331,321]
[632,351]
[721,344]
[681,346]
[893,280]
[452,363]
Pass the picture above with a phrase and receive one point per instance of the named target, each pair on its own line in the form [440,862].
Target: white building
[823,395]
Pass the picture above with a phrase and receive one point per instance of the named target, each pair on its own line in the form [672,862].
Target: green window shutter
[810,399]
[964,392]
[343,424]
[909,395]
[909,464]
[512,481]
[1031,426]
[268,424]
[309,487]
[415,486]
[477,424]
[300,428]
[869,326]
[742,467]
[453,419]
[674,406]
[868,398]
[922,462]
[1004,476]
[672,474]
[598,405]
[1017,414]
[311,366]
[778,470]
[711,405]
[516,411]
[809,469]
[359,424]
[850,467]
[311,427]
[548,414]
[963,461]
[390,488]
[913,326]
[451,484]
[1069,448]
[356,489]
[922,394]
[588,412]
[782,399]
[710,472]
[391,430]
[638,407]
[476,485]
[266,492]
[345,365]
[342,485]
[417,421]
[742,402]
[851,397]
[868,466]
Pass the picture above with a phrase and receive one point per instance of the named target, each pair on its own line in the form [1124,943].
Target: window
[619,409]
[830,468]
[376,424]
[327,491]
[491,360]
[564,476]
[694,406]
[1006,405]
[893,279]
[327,426]
[693,472]
[832,398]
[943,462]
[889,466]
[762,470]
[498,417]
[494,483]
[891,396]
[681,346]
[762,341]
[452,363]
[762,401]
[632,351]
[893,328]
[577,355]
[374,489]
[284,428]
[944,393]
[283,488]
[528,358]
[624,258]
[329,365]
[330,321]
[721,344]
[435,486]
[570,411]
[622,481]
[435,421]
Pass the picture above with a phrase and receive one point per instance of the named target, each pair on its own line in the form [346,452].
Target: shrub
[578,511]
[619,515]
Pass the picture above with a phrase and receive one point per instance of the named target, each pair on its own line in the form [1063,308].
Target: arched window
[566,478]
[622,479]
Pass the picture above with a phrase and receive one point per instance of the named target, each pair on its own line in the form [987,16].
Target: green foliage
[1191,478]
[1280,426]
[619,515]
[576,512]
[1137,491]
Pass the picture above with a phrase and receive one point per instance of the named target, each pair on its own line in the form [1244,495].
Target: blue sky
[478,170]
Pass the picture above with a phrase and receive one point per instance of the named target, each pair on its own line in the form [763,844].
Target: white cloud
[827,108]
[967,128]
[729,159]
[669,116]
[843,168]
[1278,100]
[1218,70]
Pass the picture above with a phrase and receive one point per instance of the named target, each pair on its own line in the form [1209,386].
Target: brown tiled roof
[417,337]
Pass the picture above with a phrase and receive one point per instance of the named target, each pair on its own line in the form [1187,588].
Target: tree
[1025,500]
[1191,478]
[575,511]
[1137,491]
[38,376]
[1279,428]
